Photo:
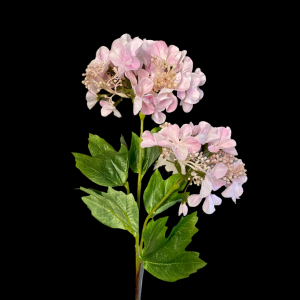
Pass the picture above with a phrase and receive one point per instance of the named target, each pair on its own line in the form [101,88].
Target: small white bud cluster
[164,125]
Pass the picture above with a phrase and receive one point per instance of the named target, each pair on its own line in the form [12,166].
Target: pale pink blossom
[142,88]
[91,97]
[210,202]
[107,108]
[204,132]
[183,209]
[224,142]
[213,181]
[235,190]
[155,105]
[193,94]
[123,53]
[180,147]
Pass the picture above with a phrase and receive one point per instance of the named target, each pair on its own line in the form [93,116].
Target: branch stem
[140,177]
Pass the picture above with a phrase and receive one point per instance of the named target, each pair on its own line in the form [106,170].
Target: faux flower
[108,107]
[123,53]
[224,142]
[91,97]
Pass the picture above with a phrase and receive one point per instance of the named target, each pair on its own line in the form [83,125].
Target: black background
[90,258]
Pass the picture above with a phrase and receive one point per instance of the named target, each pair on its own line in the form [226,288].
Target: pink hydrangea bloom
[181,147]
[224,142]
[107,108]
[123,53]
[183,209]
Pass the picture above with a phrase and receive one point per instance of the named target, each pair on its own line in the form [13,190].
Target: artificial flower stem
[126,185]
[142,117]
[175,186]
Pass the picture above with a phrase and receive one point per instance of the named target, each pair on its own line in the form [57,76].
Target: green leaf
[166,258]
[123,142]
[98,145]
[114,209]
[149,155]
[106,167]
[157,188]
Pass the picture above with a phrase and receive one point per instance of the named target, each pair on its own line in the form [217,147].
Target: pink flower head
[183,209]
[155,105]
[123,53]
[91,97]
[224,142]
[193,94]
[204,132]
[213,180]
[180,147]
[107,108]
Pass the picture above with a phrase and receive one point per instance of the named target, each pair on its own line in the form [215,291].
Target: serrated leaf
[149,155]
[114,209]
[106,167]
[166,258]
[157,188]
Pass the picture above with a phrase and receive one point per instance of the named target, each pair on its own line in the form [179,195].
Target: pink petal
[137,104]
[193,94]
[201,75]
[186,107]
[191,143]
[118,43]
[208,205]
[227,144]
[148,140]
[184,84]
[134,45]
[105,111]
[142,74]
[231,151]
[173,133]
[117,113]
[163,104]
[173,105]
[194,200]
[159,49]
[173,55]
[126,37]
[219,170]
[206,187]
[159,117]
[180,152]
[147,108]
[185,130]
[201,94]
[187,65]
[217,183]
[216,200]
[131,77]
[102,54]
[146,85]
[181,95]
[213,149]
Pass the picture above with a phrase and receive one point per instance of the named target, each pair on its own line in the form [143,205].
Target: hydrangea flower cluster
[146,71]
[214,166]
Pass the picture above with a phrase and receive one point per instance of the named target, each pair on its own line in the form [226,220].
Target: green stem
[126,185]
[137,253]
[175,186]
[142,117]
